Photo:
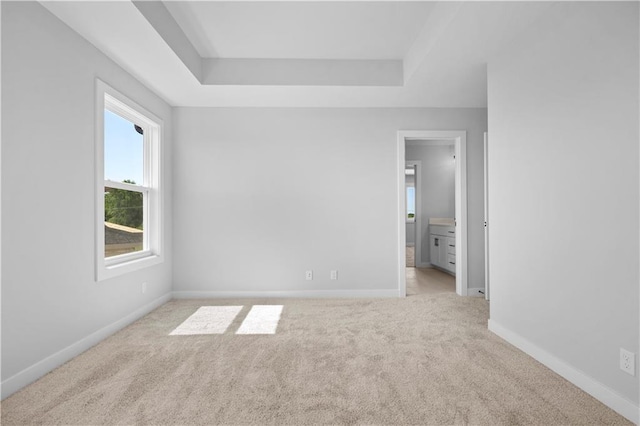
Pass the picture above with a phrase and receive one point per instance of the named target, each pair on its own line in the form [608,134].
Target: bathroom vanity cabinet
[443,247]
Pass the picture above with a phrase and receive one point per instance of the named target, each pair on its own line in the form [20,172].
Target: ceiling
[305,54]
[308,30]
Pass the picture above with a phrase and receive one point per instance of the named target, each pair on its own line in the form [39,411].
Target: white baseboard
[423,265]
[410,244]
[588,384]
[337,294]
[39,369]
[476,292]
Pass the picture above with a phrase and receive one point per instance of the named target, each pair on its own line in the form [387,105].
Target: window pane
[123,221]
[411,202]
[123,150]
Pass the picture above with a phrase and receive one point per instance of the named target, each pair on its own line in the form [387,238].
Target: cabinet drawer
[446,231]
[451,262]
[451,245]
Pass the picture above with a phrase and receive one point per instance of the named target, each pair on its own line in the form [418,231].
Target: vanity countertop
[441,221]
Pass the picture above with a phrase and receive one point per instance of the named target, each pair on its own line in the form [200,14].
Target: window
[410,187]
[128,202]
[125,186]
[411,203]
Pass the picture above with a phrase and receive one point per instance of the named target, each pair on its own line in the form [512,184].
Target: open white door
[486,217]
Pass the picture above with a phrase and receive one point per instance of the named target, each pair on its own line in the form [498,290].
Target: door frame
[459,139]
[486,217]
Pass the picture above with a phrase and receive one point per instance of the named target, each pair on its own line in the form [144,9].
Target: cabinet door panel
[443,253]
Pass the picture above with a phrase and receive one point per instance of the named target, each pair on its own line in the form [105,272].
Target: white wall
[563,207]
[260,230]
[50,299]
[438,189]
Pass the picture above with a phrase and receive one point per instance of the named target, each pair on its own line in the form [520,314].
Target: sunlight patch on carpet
[261,319]
[208,320]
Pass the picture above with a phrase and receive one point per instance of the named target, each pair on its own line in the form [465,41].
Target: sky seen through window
[123,150]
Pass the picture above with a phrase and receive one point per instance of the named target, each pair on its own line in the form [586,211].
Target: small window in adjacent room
[410,214]
[128,222]
[411,203]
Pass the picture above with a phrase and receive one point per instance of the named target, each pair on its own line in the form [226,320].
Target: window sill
[113,267]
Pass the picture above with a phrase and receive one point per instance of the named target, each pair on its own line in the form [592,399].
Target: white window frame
[110,99]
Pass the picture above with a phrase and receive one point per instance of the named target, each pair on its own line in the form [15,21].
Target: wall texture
[563,194]
[438,189]
[241,224]
[50,299]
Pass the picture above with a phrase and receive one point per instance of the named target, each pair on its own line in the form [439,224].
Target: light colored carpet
[424,359]
[411,257]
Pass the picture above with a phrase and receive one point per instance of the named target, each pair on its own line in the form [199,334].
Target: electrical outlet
[144,288]
[334,275]
[628,362]
[308,275]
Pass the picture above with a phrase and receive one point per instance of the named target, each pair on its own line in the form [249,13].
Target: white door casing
[486,217]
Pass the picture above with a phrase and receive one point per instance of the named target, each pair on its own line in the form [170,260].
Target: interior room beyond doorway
[430,200]
[433,204]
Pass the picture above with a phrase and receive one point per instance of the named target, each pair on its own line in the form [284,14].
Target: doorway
[458,139]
